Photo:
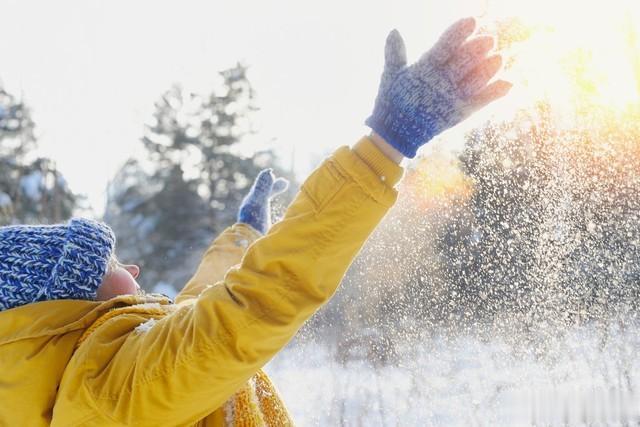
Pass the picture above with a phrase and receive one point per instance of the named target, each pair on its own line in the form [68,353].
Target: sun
[580,57]
[576,50]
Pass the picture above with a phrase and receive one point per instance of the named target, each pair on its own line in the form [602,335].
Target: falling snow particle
[146,326]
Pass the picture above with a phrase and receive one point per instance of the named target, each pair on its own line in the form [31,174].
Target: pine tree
[32,190]
[169,206]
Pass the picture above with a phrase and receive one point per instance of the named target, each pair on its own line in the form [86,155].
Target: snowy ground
[588,377]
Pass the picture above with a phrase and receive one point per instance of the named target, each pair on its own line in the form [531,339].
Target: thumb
[395,54]
[280,185]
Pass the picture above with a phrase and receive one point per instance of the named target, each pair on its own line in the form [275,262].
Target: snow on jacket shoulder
[198,352]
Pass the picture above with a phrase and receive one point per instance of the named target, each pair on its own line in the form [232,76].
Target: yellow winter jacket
[143,361]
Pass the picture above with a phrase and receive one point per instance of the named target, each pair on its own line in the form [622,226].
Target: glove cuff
[388,129]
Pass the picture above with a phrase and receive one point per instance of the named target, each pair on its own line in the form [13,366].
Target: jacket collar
[50,318]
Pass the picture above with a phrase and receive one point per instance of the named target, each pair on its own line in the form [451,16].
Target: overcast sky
[91,70]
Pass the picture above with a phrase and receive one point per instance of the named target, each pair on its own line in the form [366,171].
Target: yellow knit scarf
[256,404]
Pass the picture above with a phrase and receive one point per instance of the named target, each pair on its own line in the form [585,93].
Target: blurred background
[503,287]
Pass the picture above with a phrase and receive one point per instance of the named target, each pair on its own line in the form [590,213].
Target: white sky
[91,70]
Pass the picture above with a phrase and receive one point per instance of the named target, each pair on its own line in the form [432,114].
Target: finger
[477,79]
[395,53]
[492,92]
[468,56]
[264,181]
[449,42]
[279,186]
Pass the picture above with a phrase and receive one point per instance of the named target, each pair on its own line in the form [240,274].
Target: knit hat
[64,261]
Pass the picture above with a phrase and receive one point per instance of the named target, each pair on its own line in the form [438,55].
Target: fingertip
[394,40]
[503,87]
[495,59]
[395,52]
[451,40]
[265,177]
[463,28]
[487,42]
[280,185]
[468,24]
[492,92]
[504,83]
[492,65]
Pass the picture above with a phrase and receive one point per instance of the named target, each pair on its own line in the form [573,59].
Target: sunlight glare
[578,51]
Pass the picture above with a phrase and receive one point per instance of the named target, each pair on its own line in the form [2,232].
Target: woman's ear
[134,270]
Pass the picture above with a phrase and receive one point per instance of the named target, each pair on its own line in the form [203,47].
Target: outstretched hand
[255,209]
[445,86]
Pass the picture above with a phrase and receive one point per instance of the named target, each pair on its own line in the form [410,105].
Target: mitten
[447,84]
[255,209]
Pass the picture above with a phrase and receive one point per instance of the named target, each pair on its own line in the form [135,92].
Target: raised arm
[191,361]
[227,250]
[224,252]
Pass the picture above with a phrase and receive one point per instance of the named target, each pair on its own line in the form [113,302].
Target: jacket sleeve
[225,252]
[191,361]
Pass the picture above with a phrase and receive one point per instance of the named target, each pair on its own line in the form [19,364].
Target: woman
[141,359]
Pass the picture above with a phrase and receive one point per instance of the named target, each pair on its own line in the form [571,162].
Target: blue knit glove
[255,209]
[445,86]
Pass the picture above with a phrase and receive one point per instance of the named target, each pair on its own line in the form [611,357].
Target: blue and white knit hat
[65,261]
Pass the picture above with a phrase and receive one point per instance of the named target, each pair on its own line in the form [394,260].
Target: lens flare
[436,181]
[574,51]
